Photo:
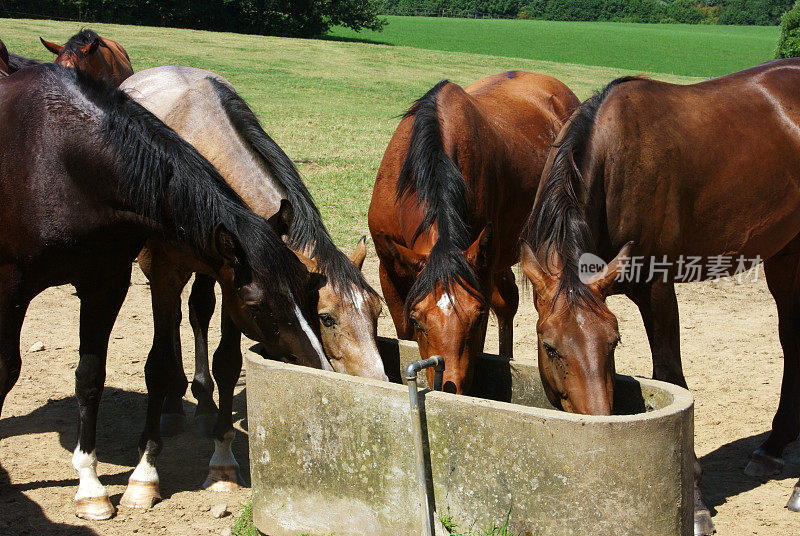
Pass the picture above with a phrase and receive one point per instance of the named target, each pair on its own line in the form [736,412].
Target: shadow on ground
[723,469]
[182,465]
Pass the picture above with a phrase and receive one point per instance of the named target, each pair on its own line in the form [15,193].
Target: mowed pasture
[682,49]
[333,105]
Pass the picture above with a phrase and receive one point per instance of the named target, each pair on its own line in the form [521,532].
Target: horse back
[684,169]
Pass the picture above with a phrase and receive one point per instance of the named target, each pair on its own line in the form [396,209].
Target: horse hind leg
[12,314]
[783,280]
[201,307]
[224,473]
[101,300]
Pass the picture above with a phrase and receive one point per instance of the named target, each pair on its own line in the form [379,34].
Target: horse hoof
[172,424]
[762,465]
[140,494]
[223,478]
[794,500]
[94,508]
[703,526]
[204,425]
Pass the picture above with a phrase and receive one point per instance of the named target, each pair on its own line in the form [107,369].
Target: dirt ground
[732,360]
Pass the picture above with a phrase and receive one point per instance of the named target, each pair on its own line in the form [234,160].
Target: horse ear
[478,252]
[228,246]
[52,47]
[537,275]
[603,280]
[281,221]
[91,47]
[405,257]
[360,253]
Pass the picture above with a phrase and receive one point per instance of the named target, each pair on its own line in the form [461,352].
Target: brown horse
[659,172]
[206,111]
[87,176]
[98,56]
[449,203]
[5,70]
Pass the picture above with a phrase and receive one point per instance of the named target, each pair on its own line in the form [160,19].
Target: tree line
[298,18]
[744,12]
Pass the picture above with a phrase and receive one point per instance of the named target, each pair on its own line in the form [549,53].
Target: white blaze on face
[88,484]
[371,362]
[313,338]
[445,304]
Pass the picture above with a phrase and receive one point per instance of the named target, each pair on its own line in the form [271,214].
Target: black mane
[79,40]
[307,231]
[167,181]
[557,223]
[17,62]
[434,179]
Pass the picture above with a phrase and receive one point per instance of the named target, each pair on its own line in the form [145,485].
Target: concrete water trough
[334,454]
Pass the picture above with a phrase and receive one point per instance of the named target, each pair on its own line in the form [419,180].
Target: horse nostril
[449,387]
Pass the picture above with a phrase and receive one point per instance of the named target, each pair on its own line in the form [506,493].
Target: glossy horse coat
[97,56]
[449,203]
[87,176]
[205,110]
[653,170]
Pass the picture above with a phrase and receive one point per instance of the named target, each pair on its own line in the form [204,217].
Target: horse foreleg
[658,306]
[201,308]
[101,299]
[782,279]
[223,469]
[13,306]
[163,375]
[505,302]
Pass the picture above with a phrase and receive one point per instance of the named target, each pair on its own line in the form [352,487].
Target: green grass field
[691,50]
[331,105]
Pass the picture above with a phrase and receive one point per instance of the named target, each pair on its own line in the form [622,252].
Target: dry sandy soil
[731,354]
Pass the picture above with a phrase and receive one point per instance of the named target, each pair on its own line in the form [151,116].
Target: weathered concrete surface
[333,454]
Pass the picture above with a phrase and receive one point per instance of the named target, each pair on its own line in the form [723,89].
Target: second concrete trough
[334,454]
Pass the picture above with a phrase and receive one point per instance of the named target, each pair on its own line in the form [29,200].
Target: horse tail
[557,223]
[307,233]
[434,177]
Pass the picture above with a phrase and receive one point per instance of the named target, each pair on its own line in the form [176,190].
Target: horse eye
[416,324]
[327,320]
[551,352]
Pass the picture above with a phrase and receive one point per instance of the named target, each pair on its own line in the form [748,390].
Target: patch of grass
[493,529]
[331,105]
[243,524]
[685,49]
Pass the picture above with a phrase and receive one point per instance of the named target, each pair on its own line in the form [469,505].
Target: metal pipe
[413,369]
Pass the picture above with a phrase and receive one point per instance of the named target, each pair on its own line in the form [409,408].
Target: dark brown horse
[665,173]
[97,56]
[449,203]
[86,177]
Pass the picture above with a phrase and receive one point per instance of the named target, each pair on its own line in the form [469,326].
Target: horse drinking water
[206,111]
[87,176]
[449,203]
[663,172]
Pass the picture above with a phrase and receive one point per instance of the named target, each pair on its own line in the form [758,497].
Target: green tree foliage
[298,18]
[789,41]
[755,12]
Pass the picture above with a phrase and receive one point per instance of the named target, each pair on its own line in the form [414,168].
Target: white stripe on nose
[313,338]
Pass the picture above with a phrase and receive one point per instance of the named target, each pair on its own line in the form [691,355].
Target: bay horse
[452,194]
[658,171]
[206,111]
[97,56]
[87,175]
[17,62]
